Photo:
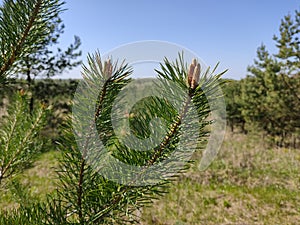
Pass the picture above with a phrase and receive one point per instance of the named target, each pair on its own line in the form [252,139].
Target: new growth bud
[194,74]
[108,68]
[191,73]
[22,92]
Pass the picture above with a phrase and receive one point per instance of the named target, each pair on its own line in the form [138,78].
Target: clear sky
[222,31]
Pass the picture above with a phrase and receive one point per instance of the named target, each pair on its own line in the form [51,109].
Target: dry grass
[248,183]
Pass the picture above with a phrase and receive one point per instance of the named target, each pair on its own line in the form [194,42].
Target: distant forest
[268,105]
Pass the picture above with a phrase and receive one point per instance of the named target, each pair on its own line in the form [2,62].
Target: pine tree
[232,92]
[271,92]
[288,44]
[44,62]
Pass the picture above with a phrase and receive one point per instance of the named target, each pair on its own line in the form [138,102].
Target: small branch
[23,142]
[18,47]
[173,130]
[80,192]
[101,99]
[156,155]
[86,147]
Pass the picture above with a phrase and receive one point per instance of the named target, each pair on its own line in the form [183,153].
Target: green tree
[44,61]
[271,91]
[263,95]
[288,44]
[232,93]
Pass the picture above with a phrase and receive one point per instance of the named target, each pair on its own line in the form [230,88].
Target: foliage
[23,30]
[261,94]
[44,62]
[23,26]
[19,141]
[232,92]
[288,44]
[85,194]
[268,98]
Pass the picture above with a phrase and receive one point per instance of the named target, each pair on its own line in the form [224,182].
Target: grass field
[248,183]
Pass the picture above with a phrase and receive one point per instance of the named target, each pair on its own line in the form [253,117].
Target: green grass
[34,184]
[248,183]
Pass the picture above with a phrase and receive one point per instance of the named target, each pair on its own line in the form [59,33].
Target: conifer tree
[271,91]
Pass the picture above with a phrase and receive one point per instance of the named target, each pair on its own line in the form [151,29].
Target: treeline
[270,107]
[43,89]
[268,99]
[55,92]
[267,104]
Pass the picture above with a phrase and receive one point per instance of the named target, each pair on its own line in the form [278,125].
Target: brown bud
[195,62]
[196,76]
[190,74]
[108,68]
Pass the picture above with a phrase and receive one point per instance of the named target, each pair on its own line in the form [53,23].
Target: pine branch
[98,199]
[172,134]
[17,49]
[80,192]
[18,136]
[106,71]
[23,27]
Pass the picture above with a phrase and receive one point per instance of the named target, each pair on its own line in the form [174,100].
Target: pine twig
[17,49]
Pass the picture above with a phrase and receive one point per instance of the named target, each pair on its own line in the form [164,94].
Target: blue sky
[228,31]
